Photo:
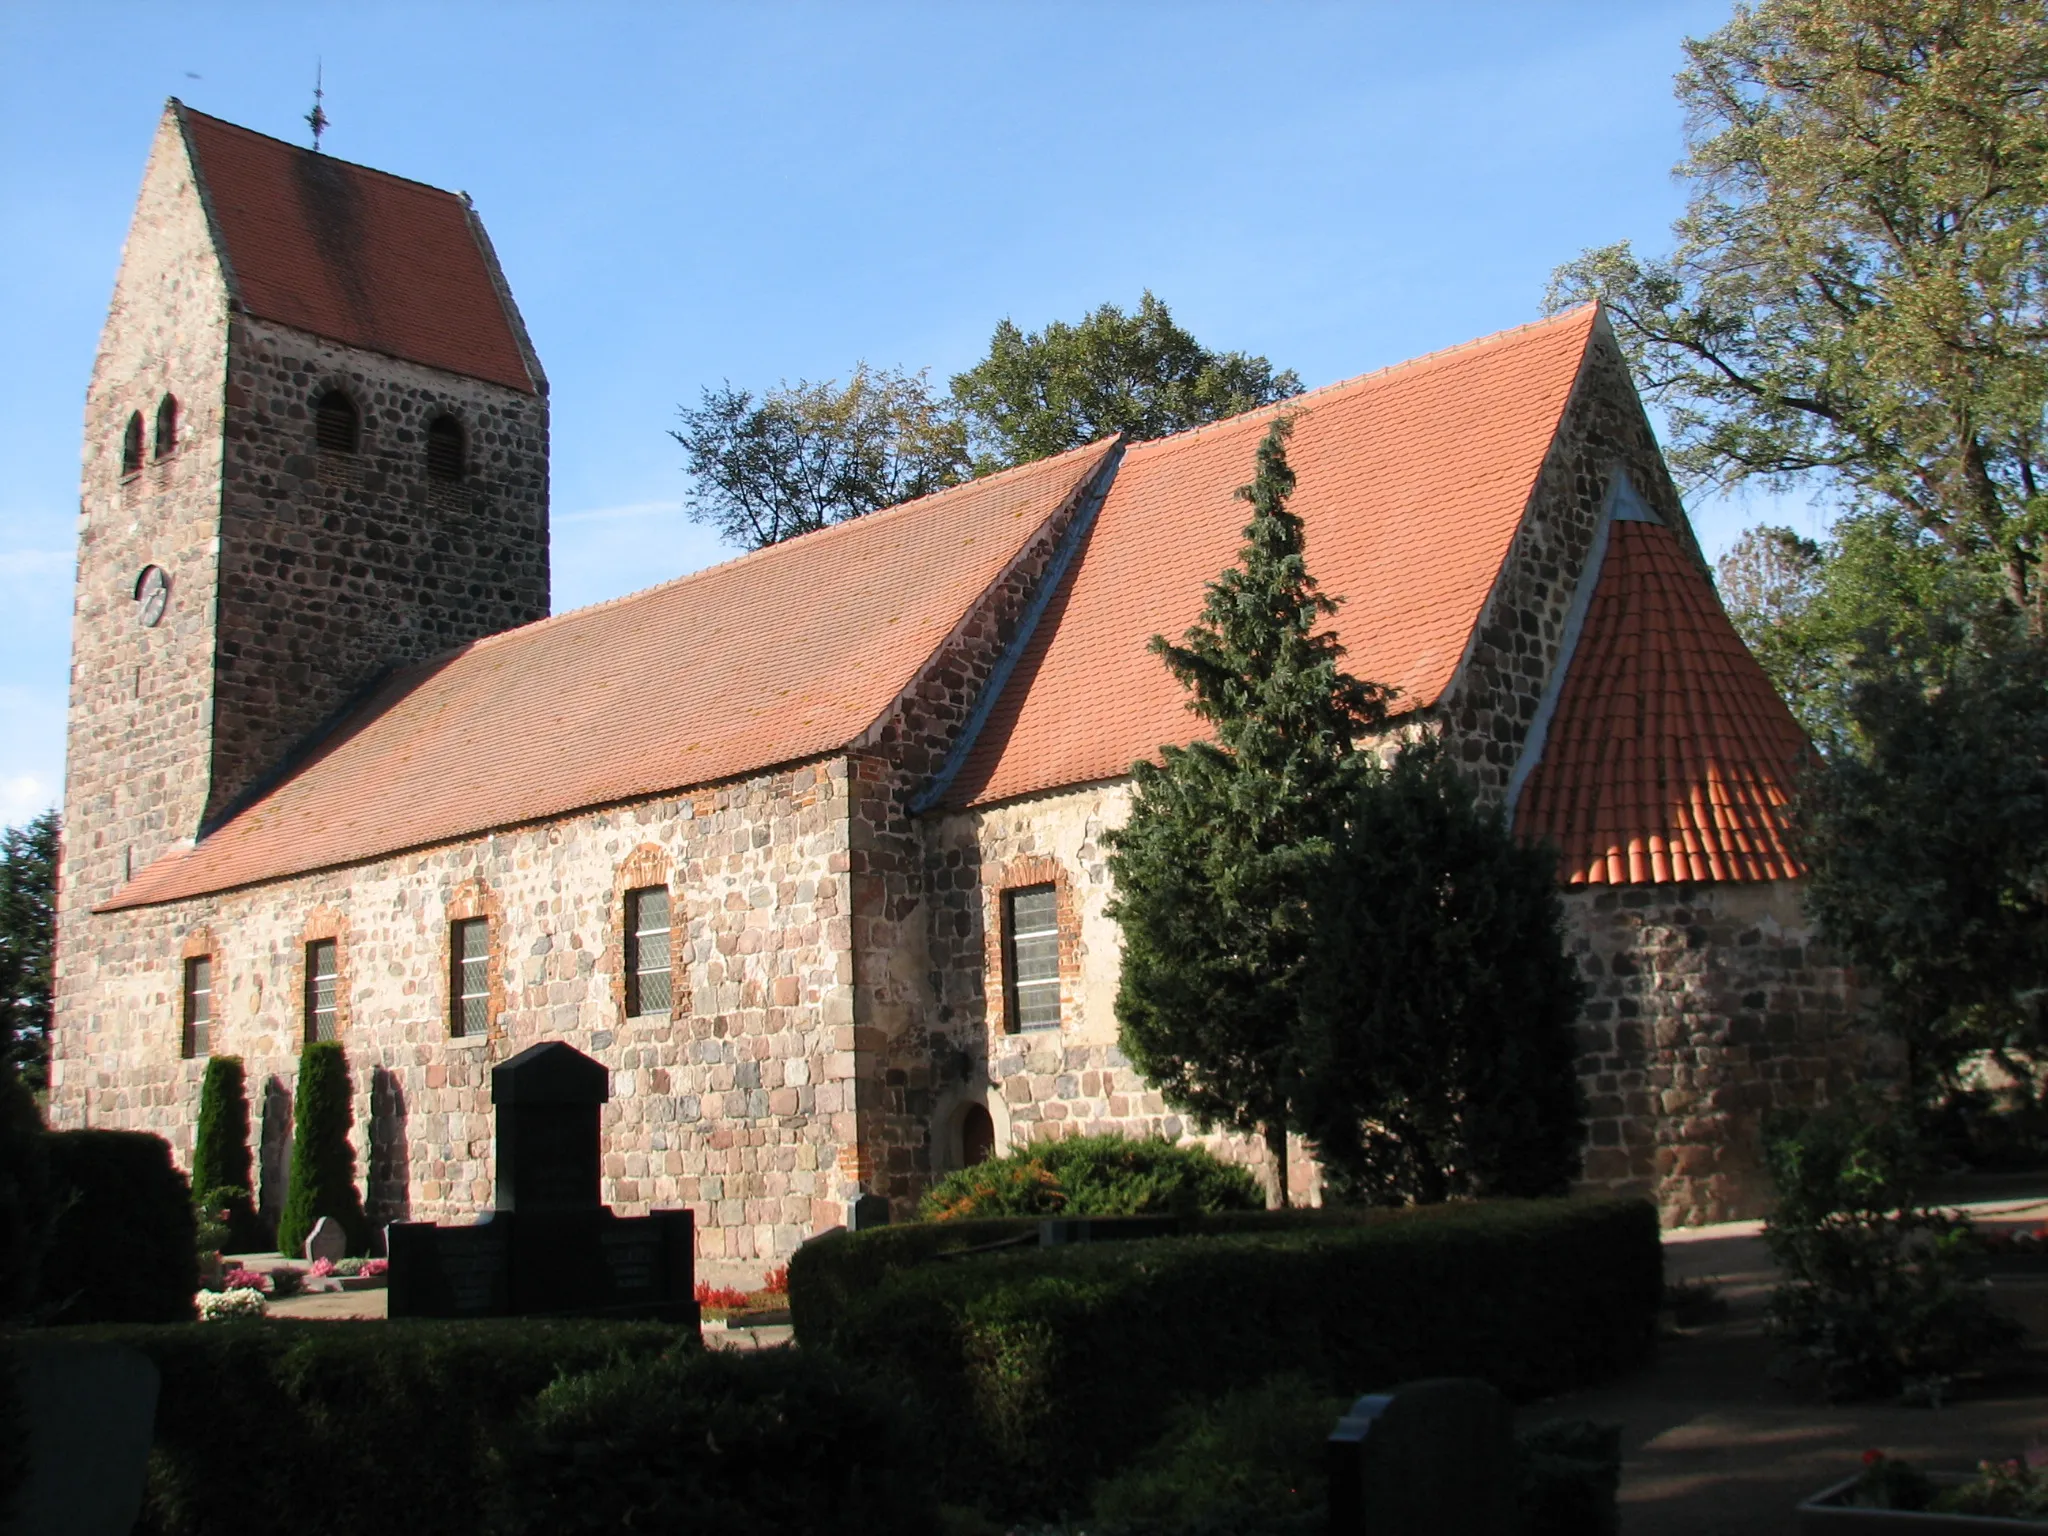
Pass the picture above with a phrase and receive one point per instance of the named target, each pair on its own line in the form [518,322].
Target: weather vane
[317,118]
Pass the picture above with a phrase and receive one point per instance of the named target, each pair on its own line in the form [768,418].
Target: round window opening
[152,595]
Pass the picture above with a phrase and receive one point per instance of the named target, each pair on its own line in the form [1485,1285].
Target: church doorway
[977,1135]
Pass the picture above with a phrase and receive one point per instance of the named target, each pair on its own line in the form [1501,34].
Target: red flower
[1872,1458]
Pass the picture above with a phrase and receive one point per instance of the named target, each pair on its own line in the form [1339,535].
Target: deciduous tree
[804,456]
[1859,290]
[1043,392]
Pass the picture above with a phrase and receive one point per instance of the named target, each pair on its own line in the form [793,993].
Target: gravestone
[326,1241]
[1430,1457]
[867,1211]
[550,1246]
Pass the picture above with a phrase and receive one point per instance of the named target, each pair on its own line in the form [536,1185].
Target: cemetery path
[1711,1446]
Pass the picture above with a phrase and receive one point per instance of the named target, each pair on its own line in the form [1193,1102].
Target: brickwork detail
[1032,869]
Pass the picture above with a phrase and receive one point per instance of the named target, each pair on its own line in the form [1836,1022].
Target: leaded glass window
[323,983]
[198,1005]
[469,946]
[648,987]
[1031,945]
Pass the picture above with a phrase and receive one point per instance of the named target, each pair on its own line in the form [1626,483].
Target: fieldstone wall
[142,696]
[735,1104]
[1489,708]
[1711,1005]
[335,568]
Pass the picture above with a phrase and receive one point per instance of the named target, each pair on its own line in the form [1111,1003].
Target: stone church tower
[316,446]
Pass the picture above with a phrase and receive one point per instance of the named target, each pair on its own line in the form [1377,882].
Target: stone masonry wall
[142,696]
[1710,1006]
[734,1105]
[1489,708]
[1039,1082]
[338,567]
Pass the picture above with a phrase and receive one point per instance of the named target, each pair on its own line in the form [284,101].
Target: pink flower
[374,1266]
[322,1268]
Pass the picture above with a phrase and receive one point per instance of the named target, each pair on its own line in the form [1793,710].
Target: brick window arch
[648,914]
[201,988]
[131,446]
[166,428]
[337,424]
[475,973]
[323,975]
[1022,978]
[447,449]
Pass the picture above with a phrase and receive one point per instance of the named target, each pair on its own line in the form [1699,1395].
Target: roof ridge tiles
[1357,380]
[354,165]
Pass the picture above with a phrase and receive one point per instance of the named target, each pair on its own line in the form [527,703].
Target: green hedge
[1107,1175]
[1054,1366]
[347,1427]
[741,1444]
[122,1245]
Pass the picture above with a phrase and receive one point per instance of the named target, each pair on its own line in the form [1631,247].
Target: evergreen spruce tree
[1438,1051]
[1228,840]
[222,1169]
[323,1175]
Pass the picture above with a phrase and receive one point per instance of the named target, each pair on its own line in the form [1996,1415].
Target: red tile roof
[355,255]
[1670,756]
[1412,482]
[772,658]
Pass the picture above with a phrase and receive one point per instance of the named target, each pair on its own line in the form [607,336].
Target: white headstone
[326,1240]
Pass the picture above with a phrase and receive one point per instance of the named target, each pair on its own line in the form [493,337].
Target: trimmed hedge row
[122,1240]
[509,1425]
[1057,1365]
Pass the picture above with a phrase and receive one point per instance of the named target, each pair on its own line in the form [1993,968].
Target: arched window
[166,427]
[131,446]
[336,425]
[444,449]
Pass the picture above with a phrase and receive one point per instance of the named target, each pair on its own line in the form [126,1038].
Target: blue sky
[684,194]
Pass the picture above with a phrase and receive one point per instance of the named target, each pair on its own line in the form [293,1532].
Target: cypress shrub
[323,1176]
[122,1246]
[1053,1366]
[222,1169]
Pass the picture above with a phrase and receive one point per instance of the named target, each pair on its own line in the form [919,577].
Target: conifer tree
[222,1168]
[323,1175]
[1438,1051]
[1227,840]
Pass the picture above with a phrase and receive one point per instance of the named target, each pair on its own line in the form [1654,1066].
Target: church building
[807,848]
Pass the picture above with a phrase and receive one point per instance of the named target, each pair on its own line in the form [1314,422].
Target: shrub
[25,1197]
[323,1177]
[1251,1461]
[1053,1365]
[286,1281]
[222,1168]
[335,1428]
[1875,1291]
[1571,1477]
[710,1441]
[122,1249]
[1095,1176]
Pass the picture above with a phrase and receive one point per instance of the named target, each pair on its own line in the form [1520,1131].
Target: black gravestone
[551,1246]
[1433,1456]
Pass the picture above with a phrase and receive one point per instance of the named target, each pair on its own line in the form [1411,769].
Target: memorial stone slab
[326,1241]
[1430,1457]
[550,1246]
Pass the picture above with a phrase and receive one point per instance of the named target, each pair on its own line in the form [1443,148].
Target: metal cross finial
[317,118]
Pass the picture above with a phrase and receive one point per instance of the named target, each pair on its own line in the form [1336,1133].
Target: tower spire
[317,118]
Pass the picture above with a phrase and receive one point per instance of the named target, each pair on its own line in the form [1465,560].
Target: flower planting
[237,1304]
